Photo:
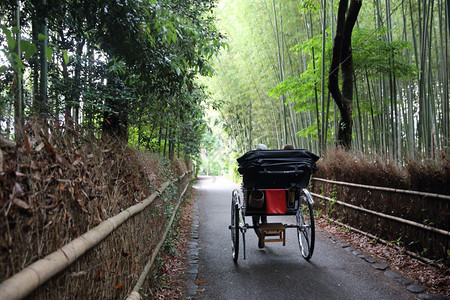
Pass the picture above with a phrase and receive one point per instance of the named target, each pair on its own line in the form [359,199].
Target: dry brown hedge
[425,175]
[58,183]
[431,176]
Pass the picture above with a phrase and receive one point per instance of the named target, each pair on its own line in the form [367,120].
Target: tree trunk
[18,101]
[115,124]
[323,143]
[65,74]
[41,103]
[115,117]
[342,58]
[81,41]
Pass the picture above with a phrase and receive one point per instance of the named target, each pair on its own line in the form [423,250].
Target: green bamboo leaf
[49,53]
[11,42]
[15,62]
[19,63]
[9,37]
[10,57]
[27,48]
[3,69]
[65,57]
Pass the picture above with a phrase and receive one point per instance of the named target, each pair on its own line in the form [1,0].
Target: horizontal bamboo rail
[134,295]
[412,223]
[386,189]
[415,255]
[30,278]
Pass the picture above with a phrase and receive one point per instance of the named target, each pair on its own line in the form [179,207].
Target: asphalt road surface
[277,272]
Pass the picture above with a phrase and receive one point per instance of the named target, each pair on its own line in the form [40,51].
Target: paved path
[278,272]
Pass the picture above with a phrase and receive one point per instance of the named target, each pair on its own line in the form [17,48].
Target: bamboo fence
[416,218]
[385,189]
[404,221]
[31,277]
[135,293]
[415,255]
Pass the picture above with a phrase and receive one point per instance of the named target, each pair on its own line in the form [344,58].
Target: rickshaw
[274,183]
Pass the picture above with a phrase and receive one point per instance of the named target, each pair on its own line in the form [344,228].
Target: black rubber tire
[305,227]
[235,227]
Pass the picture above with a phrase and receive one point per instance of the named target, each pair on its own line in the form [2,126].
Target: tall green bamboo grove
[273,81]
[121,68]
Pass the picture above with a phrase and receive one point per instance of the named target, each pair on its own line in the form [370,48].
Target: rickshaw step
[275,231]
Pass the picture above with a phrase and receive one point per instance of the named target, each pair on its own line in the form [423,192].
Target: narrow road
[277,272]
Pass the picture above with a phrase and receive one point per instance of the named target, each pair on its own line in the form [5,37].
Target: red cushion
[276,201]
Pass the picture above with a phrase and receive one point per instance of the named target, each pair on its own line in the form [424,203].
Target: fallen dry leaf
[78,274]
[118,286]
[27,144]
[40,147]
[98,275]
[21,203]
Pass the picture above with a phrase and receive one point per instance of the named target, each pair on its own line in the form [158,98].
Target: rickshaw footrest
[276,231]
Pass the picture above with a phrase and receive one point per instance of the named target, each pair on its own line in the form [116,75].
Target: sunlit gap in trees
[214,183]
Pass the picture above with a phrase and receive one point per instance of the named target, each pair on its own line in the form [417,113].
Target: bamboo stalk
[386,189]
[404,221]
[24,282]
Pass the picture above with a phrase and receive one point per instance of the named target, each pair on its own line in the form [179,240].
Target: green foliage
[27,49]
[9,37]
[379,58]
[49,53]
[398,241]
[65,56]
[309,132]
[300,91]
[126,68]
[424,251]
[309,6]
[429,222]
[344,228]
[213,159]
[331,207]
[370,53]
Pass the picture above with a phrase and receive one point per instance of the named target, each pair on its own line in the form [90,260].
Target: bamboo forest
[272,84]
[134,68]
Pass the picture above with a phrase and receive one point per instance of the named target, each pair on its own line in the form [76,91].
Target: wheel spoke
[305,226]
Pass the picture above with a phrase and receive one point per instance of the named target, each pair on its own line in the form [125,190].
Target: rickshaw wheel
[235,226]
[305,225]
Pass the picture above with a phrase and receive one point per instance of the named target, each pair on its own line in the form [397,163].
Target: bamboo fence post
[30,278]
